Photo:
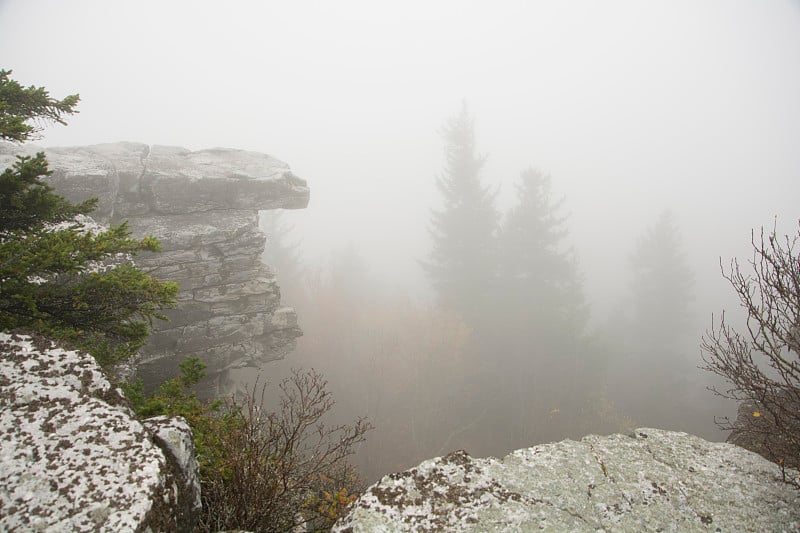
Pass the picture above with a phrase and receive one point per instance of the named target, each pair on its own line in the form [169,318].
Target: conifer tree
[538,320]
[661,285]
[463,261]
[654,375]
[280,252]
[538,282]
[60,273]
[24,111]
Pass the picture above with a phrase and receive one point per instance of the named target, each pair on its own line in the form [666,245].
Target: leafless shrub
[283,469]
[763,364]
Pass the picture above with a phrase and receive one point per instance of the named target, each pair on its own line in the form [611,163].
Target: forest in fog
[505,355]
[519,210]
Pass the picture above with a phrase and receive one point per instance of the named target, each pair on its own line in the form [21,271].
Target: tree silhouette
[462,262]
[538,286]
[653,376]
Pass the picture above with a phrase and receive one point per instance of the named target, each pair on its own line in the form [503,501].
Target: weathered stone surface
[73,458]
[652,480]
[203,206]
[174,436]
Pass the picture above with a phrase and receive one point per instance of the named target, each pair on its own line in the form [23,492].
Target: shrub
[264,470]
[763,364]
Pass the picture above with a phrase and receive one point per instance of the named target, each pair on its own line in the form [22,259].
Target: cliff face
[74,458]
[203,206]
[651,480]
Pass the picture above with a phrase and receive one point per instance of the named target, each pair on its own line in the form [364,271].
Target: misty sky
[632,107]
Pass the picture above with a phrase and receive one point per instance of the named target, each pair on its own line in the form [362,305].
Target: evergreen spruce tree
[538,321]
[658,365]
[61,274]
[661,285]
[463,261]
[538,283]
[24,111]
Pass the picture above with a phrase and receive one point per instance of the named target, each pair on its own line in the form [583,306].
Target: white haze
[632,107]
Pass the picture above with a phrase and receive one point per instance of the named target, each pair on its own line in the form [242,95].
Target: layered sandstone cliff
[203,206]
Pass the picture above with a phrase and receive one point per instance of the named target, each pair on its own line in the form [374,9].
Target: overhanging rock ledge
[204,207]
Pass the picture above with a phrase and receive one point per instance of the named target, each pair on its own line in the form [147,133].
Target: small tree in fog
[762,364]
[653,375]
[462,263]
[538,319]
[661,284]
[280,252]
[538,284]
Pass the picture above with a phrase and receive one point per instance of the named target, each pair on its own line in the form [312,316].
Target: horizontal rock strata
[652,480]
[203,206]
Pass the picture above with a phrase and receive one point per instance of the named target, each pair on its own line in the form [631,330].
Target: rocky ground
[651,480]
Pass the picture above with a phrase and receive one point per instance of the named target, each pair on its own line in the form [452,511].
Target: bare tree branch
[762,365]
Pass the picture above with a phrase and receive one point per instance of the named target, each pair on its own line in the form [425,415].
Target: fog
[631,108]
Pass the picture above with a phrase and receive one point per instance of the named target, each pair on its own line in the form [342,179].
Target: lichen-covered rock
[652,480]
[174,436]
[203,206]
[72,456]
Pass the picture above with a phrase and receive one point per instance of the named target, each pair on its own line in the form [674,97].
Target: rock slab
[651,480]
[74,458]
[204,207]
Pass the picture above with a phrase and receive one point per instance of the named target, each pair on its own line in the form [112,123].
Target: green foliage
[26,202]
[175,397]
[20,105]
[259,470]
[60,274]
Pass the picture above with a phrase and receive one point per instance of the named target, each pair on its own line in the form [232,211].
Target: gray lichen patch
[652,480]
[72,458]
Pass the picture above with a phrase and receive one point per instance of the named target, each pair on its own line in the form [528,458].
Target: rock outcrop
[756,429]
[203,206]
[73,457]
[652,480]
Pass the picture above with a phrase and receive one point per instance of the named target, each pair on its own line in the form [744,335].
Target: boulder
[651,480]
[204,208]
[757,430]
[174,436]
[74,458]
